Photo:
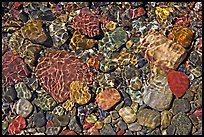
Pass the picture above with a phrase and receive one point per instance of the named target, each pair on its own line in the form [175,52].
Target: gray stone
[61,121]
[171,130]
[10,94]
[74,124]
[39,119]
[23,107]
[108,119]
[134,127]
[53,130]
[156,131]
[182,123]
[180,105]
[114,114]
[107,130]
[121,125]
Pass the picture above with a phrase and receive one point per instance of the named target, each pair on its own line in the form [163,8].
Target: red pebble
[50,123]
[178,82]
[68,132]
[87,125]
[135,13]
[198,112]
[17,125]
[120,132]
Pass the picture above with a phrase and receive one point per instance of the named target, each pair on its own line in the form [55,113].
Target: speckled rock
[107,130]
[45,101]
[107,98]
[135,83]
[52,130]
[61,121]
[165,119]
[134,127]
[59,110]
[180,105]
[32,83]
[128,115]
[157,93]
[23,91]
[149,118]
[23,107]
[182,123]
[39,119]
[74,125]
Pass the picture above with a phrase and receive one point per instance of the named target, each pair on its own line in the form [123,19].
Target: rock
[156,131]
[165,119]
[134,127]
[39,119]
[194,119]
[59,110]
[157,93]
[180,105]
[10,94]
[107,98]
[119,106]
[61,121]
[107,130]
[102,114]
[91,119]
[149,118]
[98,125]
[16,125]
[92,131]
[135,83]
[68,132]
[52,130]
[108,119]
[32,83]
[178,82]
[128,115]
[23,107]
[114,114]
[128,132]
[126,98]
[120,132]
[122,125]
[23,91]
[182,124]
[74,125]
[134,106]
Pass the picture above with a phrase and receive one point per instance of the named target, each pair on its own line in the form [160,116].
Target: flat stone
[122,125]
[149,118]
[157,93]
[180,105]
[134,127]
[107,130]
[52,130]
[108,119]
[107,98]
[182,123]
[114,114]
[128,115]
[23,107]
[165,119]
[39,119]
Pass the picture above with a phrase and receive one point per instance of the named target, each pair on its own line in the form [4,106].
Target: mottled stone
[32,83]
[182,123]
[121,125]
[149,118]
[135,83]
[135,106]
[107,130]
[165,119]
[23,107]
[23,91]
[39,119]
[157,93]
[92,131]
[128,115]
[10,94]
[180,105]
[107,98]
[61,121]
[52,130]
[59,110]
[114,114]
[91,118]
[134,127]
[74,125]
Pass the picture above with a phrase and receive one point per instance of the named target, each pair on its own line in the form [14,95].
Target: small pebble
[127,114]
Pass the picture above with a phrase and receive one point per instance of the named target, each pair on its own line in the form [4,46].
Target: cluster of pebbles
[102,68]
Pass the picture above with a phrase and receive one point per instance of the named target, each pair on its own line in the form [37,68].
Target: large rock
[128,114]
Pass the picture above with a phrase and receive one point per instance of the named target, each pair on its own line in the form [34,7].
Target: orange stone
[17,125]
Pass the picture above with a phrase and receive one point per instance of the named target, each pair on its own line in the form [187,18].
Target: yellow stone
[129,43]
[111,26]
[162,12]
[165,119]
[98,125]
[68,104]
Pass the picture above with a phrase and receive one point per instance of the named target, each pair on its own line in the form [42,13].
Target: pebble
[68,132]
[23,107]
[58,110]
[23,91]
[102,114]
[156,131]
[108,119]
[16,125]
[165,119]
[32,83]
[180,105]
[39,119]
[92,118]
[92,131]
[107,98]
[126,98]
[52,130]
[135,106]
[128,132]
[61,120]
[10,94]
[149,118]
[135,83]
[107,130]
[128,114]
[119,106]
[182,124]
[114,114]
[74,125]
[122,125]
[98,124]
[134,127]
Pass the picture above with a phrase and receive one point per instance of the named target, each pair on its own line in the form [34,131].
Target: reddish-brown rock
[17,125]
[14,69]
[57,70]
[108,98]
[68,132]
[178,82]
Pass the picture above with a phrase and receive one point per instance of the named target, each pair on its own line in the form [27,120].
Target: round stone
[39,119]
[122,125]
[128,114]
[23,91]
[165,119]
[91,119]
[134,127]
[23,107]
[98,125]
[149,118]
[107,98]
[157,93]
[181,105]
[182,123]
[61,120]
